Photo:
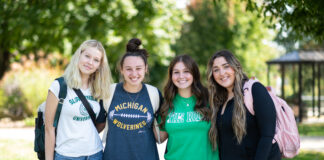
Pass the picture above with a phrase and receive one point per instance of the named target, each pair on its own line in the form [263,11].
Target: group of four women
[199,123]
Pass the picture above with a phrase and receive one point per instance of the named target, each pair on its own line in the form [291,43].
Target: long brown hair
[218,96]
[197,89]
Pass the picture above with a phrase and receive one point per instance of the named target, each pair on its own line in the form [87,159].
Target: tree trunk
[4,62]
[4,47]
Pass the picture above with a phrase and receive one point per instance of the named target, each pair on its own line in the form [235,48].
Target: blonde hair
[218,96]
[99,81]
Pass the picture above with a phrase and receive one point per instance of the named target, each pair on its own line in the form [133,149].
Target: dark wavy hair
[197,89]
[132,49]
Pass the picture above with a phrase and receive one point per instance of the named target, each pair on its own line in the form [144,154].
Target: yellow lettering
[140,108]
[117,108]
[129,104]
[115,121]
[136,106]
[136,126]
[127,127]
[144,110]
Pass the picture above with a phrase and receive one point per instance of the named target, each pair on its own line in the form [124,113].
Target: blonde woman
[240,135]
[76,135]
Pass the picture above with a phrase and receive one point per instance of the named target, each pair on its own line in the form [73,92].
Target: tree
[226,25]
[299,18]
[28,26]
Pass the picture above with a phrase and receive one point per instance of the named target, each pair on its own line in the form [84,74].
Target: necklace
[130,97]
[186,102]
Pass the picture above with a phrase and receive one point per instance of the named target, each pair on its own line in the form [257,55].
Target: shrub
[25,87]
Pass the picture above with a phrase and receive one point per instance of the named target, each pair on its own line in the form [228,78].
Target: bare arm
[163,136]
[51,105]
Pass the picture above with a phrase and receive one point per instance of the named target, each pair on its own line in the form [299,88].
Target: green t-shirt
[188,134]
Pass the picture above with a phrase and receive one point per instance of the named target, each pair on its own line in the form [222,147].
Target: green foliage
[13,105]
[300,18]
[24,89]
[45,28]
[226,25]
[29,26]
[29,122]
[311,129]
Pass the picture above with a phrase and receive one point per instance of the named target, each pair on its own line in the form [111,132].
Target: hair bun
[133,45]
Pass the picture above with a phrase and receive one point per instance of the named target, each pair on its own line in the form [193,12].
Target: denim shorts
[96,156]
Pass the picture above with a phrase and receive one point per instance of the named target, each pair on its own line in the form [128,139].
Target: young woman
[131,114]
[185,113]
[240,135]
[77,137]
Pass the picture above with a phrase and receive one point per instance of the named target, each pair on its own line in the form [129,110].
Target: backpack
[39,142]
[286,134]
[155,100]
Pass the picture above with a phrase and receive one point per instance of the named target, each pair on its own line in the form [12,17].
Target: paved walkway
[312,143]
[307,143]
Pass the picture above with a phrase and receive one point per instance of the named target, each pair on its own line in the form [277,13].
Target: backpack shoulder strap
[154,97]
[248,98]
[107,103]
[112,89]
[86,104]
[62,95]
[155,100]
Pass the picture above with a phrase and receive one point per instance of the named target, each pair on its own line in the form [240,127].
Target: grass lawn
[308,155]
[17,150]
[311,129]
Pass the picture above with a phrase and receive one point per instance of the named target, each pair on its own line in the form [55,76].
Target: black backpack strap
[86,105]
[101,103]
[62,95]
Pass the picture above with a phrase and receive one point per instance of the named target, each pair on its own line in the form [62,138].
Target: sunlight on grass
[23,150]
[311,129]
[308,155]
[16,150]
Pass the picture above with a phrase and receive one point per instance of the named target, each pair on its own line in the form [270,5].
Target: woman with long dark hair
[185,113]
[239,134]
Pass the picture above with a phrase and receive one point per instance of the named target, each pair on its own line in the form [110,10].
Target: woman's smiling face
[223,73]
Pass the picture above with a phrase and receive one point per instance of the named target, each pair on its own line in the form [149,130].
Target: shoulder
[151,88]
[55,83]
[258,87]
[113,86]
[259,91]
[55,87]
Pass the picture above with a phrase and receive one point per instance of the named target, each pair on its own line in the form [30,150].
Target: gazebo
[301,58]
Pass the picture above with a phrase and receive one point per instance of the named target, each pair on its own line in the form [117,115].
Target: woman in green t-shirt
[184,115]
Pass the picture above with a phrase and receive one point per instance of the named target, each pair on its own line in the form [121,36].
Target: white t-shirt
[76,133]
